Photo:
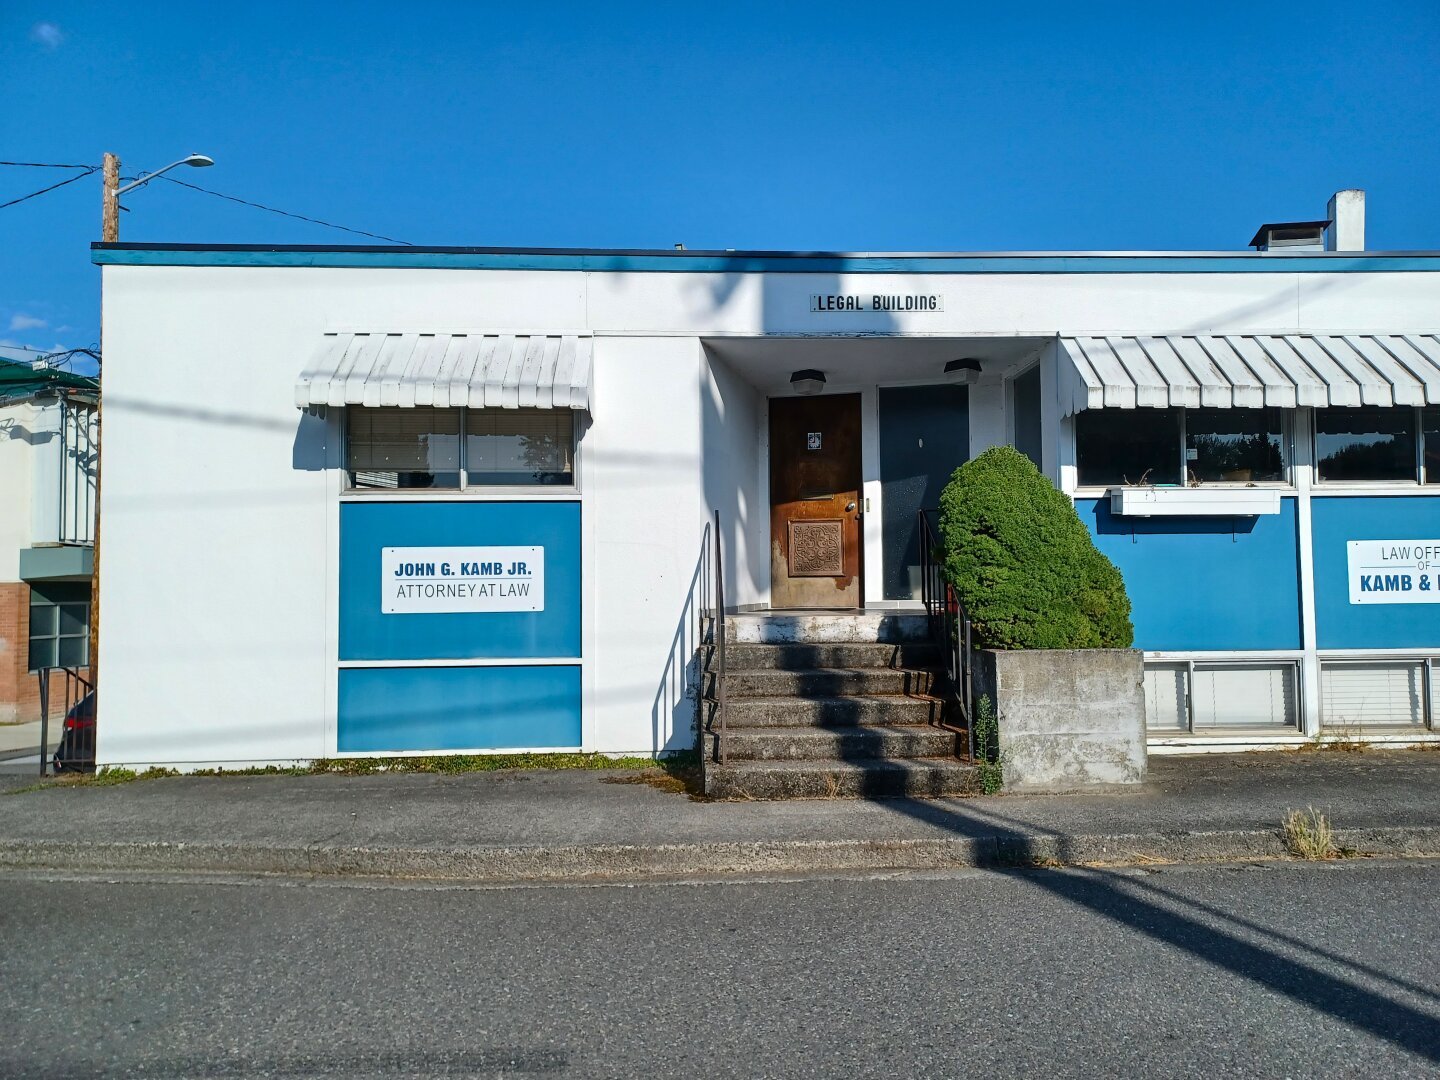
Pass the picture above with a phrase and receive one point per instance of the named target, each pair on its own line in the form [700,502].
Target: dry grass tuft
[1308,835]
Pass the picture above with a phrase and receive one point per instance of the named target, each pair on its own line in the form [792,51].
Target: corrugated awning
[489,371]
[1250,371]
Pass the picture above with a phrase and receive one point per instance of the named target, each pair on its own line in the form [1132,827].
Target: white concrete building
[404,500]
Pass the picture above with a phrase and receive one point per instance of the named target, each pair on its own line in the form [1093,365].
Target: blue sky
[816,126]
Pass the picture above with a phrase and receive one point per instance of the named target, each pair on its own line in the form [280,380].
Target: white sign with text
[1394,571]
[444,580]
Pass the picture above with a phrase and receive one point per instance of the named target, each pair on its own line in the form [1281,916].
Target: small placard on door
[812,440]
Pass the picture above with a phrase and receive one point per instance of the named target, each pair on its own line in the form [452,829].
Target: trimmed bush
[1024,563]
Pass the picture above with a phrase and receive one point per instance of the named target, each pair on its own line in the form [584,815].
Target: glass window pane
[1367,443]
[1235,445]
[44,620]
[1430,420]
[1025,414]
[74,618]
[1165,698]
[73,651]
[1244,696]
[519,446]
[403,448]
[1385,694]
[1128,446]
[42,653]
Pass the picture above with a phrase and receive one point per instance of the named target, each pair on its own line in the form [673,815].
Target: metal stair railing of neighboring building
[949,625]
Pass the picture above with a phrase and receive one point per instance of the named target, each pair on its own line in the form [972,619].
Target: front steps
[831,706]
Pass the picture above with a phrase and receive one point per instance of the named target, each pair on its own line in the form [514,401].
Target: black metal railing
[717,649]
[74,688]
[949,625]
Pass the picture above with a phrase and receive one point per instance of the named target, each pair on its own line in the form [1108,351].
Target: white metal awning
[1249,371]
[490,371]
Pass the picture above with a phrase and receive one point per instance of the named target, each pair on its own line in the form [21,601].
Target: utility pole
[110,234]
[110,209]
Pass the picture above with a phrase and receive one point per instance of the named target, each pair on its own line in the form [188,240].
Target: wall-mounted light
[807,381]
[964,372]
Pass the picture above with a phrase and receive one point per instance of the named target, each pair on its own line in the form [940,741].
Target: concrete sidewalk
[561,826]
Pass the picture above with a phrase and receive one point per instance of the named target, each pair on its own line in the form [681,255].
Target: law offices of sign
[1394,571]
[447,580]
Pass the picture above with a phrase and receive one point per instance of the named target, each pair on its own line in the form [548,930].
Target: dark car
[76,752]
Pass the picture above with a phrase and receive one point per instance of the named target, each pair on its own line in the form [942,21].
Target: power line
[284,213]
[45,165]
[68,180]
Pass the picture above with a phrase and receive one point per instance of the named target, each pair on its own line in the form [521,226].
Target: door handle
[850,506]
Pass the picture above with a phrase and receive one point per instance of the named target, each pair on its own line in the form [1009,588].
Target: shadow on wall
[675,711]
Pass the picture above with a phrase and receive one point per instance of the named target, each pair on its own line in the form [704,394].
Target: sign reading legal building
[445,580]
[893,302]
[1394,571]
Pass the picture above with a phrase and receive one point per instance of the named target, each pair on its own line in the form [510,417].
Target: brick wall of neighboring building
[19,689]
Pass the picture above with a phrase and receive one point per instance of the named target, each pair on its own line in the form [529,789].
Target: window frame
[1429,693]
[54,640]
[1187,667]
[512,492]
[1417,477]
[1289,425]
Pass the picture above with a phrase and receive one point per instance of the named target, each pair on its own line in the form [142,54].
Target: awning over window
[491,371]
[1249,371]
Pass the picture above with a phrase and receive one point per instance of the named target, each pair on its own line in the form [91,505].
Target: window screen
[535,446]
[1430,421]
[1244,696]
[1379,694]
[403,448]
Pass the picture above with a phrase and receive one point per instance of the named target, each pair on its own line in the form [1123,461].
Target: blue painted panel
[486,708]
[1205,583]
[753,262]
[368,634]
[1340,624]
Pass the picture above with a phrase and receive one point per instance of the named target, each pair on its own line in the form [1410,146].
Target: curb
[639,862]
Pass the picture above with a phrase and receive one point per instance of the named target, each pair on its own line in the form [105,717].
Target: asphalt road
[1283,970]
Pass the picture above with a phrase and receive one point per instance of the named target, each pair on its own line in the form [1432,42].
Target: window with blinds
[392,448]
[519,446]
[1182,697]
[1382,693]
[403,448]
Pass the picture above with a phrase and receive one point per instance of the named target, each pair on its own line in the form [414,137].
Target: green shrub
[1024,563]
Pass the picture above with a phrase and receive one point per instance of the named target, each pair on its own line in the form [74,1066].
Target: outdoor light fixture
[807,381]
[198,161]
[964,371]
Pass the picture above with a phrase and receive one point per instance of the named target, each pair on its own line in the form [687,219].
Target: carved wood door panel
[815,554]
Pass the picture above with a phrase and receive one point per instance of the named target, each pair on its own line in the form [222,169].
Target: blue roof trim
[710,263]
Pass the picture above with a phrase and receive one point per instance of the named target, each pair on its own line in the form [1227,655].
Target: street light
[199,161]
[110,213]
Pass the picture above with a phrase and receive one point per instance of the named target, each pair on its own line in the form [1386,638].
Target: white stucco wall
[17,432]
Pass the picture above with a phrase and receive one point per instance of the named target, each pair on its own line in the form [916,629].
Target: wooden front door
[815,502]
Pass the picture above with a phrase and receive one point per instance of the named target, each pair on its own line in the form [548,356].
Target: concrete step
[829,711]
[847,743]
[804,657]
[822,682]
[856,779]
[815,628]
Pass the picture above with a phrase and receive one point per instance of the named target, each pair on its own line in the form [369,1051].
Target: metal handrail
[76,687]
[949,625]
[717,629]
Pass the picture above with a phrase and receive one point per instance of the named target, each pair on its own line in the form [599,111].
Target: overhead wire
[283,213]
[45,165]
[68,180]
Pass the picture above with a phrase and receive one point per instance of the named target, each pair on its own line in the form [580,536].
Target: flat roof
[669,260]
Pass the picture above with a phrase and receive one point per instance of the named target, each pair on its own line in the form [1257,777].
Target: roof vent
[1291,236]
